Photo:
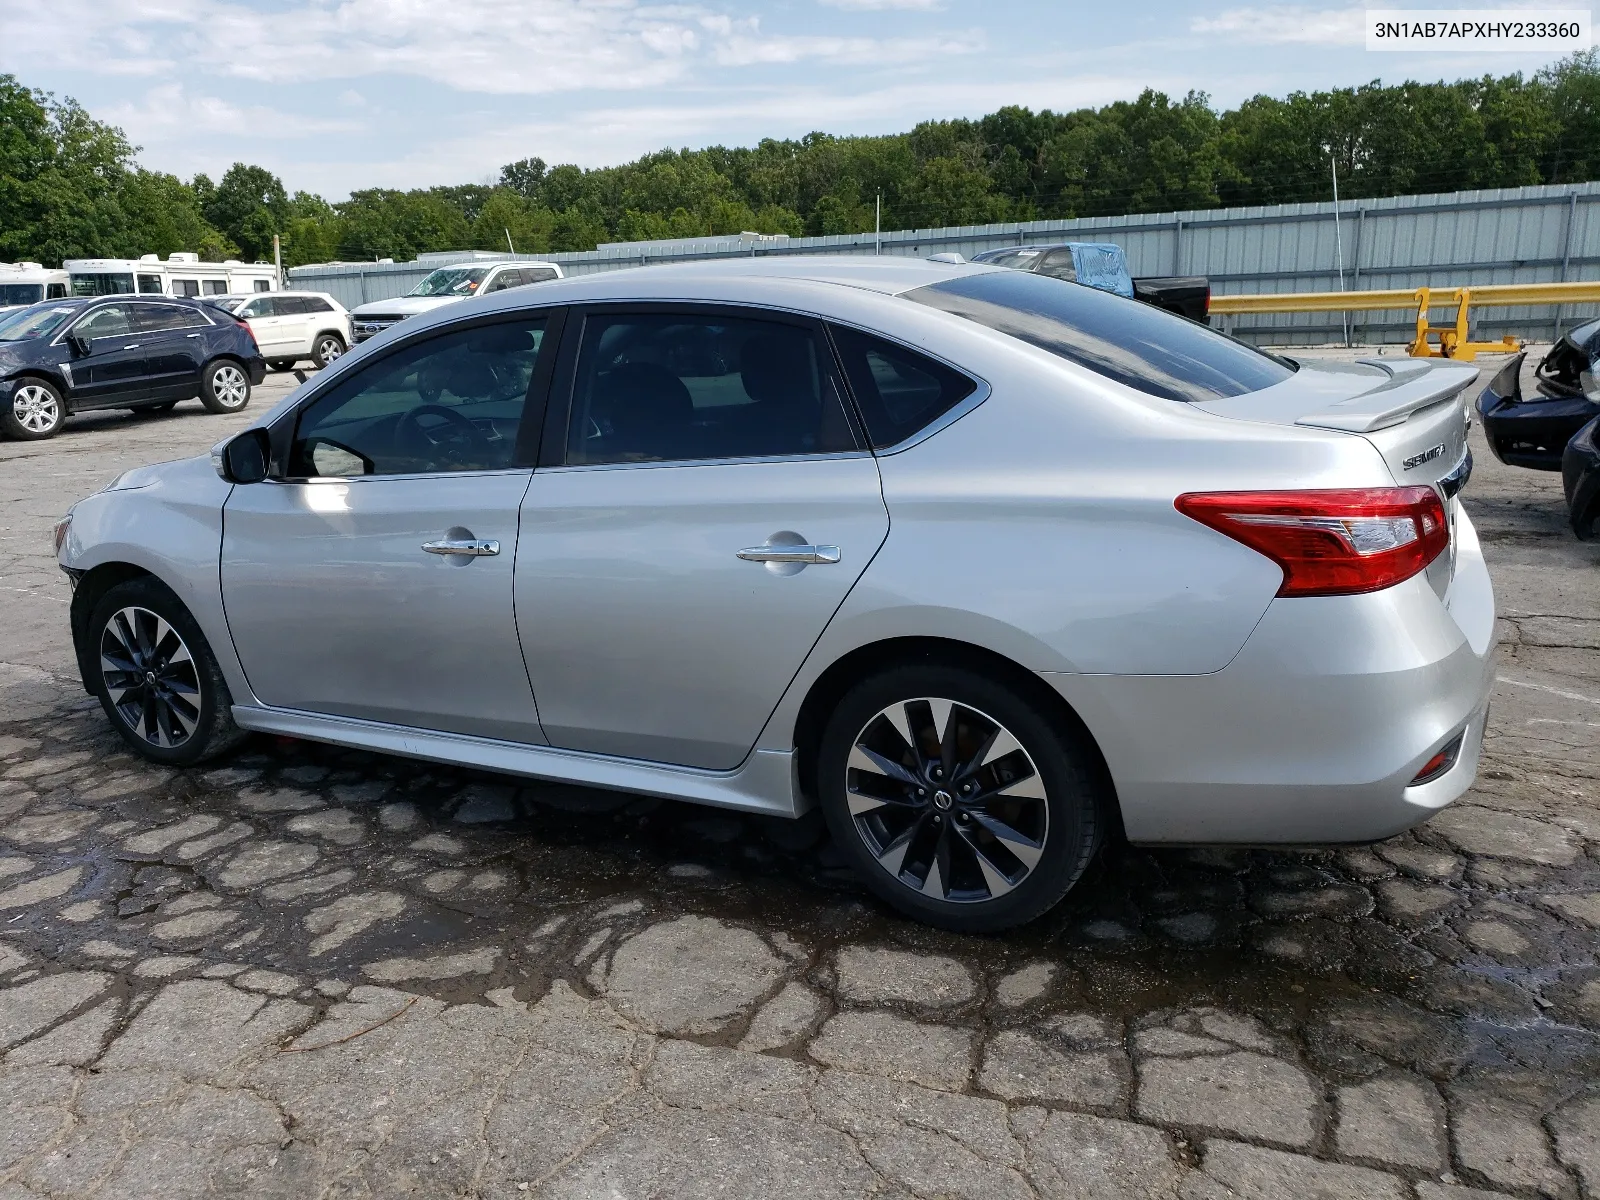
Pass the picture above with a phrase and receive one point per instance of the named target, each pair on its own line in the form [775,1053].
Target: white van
[181,274]
[22,284]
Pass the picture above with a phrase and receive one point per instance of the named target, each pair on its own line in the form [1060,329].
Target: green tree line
[70,186]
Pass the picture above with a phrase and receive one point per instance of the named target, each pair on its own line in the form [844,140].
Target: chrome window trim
[479,473]
[749,459]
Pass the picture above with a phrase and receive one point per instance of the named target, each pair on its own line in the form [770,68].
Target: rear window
[898,391]
[1132,343]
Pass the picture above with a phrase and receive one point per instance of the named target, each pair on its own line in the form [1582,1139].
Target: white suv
[444,286]
[290,326]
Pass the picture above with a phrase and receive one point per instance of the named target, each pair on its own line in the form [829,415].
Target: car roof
[889,275]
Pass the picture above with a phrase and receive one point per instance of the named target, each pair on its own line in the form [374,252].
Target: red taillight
[246,326]
[1335,542]
[1208,299]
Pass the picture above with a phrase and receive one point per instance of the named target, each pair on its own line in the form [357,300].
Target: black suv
[66,356]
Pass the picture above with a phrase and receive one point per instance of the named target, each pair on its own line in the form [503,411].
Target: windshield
[12,294]
[102,285]
[1132,343]
[32,324]
[451,281]
[1016,259]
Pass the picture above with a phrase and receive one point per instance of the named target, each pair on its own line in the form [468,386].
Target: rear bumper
[257,367]
[1314,732]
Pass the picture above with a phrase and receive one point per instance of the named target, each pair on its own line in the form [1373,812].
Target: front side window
[453,402]
[107,284]
[110,320]
[451,281]
[1058,265]
[666,386]
[1134,344]
[20,293]
[898,391]
[253,308]
[509,278]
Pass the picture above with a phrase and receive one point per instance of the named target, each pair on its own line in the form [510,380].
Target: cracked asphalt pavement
[304,971]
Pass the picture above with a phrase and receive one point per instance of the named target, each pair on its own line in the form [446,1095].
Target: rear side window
[898,391]
[1133,343]
[537,274]
[659,387]
[153,318]
[314,304]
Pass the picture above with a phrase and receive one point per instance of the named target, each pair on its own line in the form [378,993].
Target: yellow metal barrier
[1452,339]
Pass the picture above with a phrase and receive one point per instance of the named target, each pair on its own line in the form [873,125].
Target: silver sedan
[989,566]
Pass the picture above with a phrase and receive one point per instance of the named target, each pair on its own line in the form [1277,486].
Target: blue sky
[340,94]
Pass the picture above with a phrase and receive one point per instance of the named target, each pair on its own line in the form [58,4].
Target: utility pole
[1338,236]
[877,225]
[508,239]
[277,260]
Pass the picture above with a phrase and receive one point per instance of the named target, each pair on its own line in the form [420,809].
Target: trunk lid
[1410,409]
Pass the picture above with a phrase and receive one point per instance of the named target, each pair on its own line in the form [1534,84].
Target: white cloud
[738,51]
[880,5]
[1278,25]
[169,110]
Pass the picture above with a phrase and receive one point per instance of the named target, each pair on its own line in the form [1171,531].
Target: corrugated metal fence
[1504,235]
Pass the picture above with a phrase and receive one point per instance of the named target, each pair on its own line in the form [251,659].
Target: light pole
[1338,236]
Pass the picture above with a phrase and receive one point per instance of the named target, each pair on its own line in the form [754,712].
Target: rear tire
[982,821]
[328,347]
[156,676]
[224,386]
[34,412]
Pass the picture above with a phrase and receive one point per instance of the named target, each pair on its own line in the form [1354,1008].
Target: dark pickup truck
[1103,265]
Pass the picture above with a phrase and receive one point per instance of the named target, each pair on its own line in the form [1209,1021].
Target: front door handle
[810,555]
[135,346]
[464,547]
[192,335]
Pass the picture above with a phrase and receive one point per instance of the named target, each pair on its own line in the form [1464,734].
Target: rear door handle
[135,346]
[811,555]
[464,547]
[191,335]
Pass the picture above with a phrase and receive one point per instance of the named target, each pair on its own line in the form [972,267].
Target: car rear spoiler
[1413,385]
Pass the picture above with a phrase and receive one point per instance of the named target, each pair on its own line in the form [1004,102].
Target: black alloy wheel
[156,676]
[960,804]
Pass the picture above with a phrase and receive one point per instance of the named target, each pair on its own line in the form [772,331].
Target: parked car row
[142,354]
[983,563]
[1558,429]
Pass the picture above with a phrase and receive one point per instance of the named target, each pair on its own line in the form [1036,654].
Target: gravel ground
[304,971]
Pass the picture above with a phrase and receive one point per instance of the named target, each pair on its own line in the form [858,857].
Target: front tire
[224,386]
[328,347]
[156,676]
[35,411]
[956,801]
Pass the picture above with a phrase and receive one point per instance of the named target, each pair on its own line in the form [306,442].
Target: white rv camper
[179,274]
[27,283]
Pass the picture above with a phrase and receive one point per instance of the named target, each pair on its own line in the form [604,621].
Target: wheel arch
[44,375]
[90,587]
[841,675]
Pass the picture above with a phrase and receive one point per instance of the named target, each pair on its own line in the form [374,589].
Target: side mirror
[244,459]
[79,345]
